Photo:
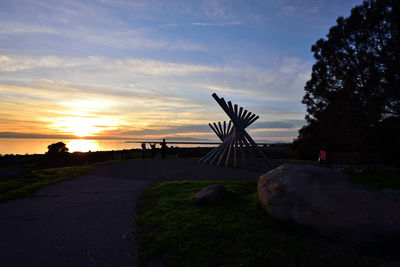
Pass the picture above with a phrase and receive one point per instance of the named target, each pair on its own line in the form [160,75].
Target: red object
[322,155]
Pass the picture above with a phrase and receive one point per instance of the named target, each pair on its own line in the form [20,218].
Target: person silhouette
[143,150]
[153,150]
[163,148]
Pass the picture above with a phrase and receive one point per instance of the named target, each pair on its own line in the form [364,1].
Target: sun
[84,118]
[83,126]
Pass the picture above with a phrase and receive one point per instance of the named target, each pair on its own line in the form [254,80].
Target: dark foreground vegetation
[353,96]
[175,231]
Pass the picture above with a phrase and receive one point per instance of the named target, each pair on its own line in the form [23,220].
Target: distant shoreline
[32,146]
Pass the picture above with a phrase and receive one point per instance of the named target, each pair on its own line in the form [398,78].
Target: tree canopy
[355,82]
[57,149]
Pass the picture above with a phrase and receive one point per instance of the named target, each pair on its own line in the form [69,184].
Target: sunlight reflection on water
[83,145]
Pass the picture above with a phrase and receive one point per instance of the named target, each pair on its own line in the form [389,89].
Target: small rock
[211,194]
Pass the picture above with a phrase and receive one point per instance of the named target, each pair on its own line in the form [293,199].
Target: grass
[175,231]
[25,185]
[378,177]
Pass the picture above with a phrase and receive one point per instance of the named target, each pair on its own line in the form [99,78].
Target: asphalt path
[89,220]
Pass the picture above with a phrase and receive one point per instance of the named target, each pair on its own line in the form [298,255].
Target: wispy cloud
[130,76]
[200,24]
[130,40]
[287,10]
[129,65]
[313,9]
[7,28]
[209,9]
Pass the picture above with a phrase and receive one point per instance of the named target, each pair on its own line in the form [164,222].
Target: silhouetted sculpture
[233,136]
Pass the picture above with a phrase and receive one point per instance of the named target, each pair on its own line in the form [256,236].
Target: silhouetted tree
[57,155]
[355,83]
[57,148]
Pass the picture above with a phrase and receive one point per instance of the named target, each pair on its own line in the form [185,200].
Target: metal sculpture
[233,136]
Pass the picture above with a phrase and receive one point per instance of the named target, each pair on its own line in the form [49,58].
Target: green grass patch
[378,177]
[175,231]
[25,185]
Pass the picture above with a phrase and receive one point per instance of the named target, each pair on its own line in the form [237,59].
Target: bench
[359,161]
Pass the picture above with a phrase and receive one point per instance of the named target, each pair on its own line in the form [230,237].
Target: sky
[115,69]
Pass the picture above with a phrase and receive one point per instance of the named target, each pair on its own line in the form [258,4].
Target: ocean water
[39,146]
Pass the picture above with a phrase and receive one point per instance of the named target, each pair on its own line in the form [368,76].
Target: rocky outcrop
[211,194]
[328,202]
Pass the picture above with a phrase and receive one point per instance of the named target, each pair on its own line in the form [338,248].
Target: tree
[355,83]
[57,151]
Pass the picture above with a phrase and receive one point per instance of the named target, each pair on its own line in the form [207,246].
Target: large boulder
[211,194]
[328,202]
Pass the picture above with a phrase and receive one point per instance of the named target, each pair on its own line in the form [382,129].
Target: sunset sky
[146,69]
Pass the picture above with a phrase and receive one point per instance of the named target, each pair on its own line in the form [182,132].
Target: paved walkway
[89,220]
